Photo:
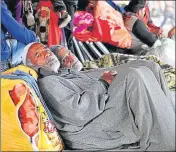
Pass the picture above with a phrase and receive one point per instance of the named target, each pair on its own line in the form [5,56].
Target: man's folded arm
[75,108]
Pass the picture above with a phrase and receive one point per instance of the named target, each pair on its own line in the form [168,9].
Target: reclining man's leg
[154,115]
[155,68]
[116,59]
[149,107]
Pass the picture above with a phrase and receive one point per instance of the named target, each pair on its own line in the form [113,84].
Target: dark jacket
[60,5]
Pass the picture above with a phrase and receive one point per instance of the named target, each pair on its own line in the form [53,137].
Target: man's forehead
[37,46]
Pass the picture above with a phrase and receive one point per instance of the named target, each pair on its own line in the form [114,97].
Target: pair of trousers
[70,6]
[69,28]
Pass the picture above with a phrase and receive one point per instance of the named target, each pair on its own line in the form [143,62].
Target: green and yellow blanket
[115,59]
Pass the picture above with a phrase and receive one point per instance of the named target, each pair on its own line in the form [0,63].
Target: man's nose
[46,54]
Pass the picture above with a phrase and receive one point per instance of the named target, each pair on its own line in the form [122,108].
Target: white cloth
[165,50]
[26,51]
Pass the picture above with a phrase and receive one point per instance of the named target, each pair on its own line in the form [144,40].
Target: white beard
[52,64]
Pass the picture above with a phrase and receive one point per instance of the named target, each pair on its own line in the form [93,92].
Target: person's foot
[64,19]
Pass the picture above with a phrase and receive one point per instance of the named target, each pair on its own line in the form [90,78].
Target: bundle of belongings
[126,31]
[105,25]
[26,123]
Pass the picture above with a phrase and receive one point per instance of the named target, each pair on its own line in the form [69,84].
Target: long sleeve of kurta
[71,103]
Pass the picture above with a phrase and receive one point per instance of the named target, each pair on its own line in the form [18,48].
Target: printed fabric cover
[47,27]
[26,122]
[82,26]
[106,26]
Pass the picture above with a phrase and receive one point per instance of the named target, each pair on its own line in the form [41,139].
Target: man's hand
[108,76]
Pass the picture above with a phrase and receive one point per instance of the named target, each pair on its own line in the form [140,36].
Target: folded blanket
[105,25]
[114,59]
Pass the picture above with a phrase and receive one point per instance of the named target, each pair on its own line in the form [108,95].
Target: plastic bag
[165,50]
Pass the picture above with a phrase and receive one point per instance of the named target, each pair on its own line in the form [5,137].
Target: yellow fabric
[14,137]
[22,68]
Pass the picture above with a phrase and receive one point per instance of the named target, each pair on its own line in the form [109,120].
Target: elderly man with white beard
[119,108]
[40,56]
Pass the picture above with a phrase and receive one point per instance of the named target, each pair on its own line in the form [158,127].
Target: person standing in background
[169,12]
[69,6]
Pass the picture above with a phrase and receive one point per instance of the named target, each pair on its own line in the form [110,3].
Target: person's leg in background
[142,32]
[15,8]
[82,4]
[168,15]
[60,7]
[71,6]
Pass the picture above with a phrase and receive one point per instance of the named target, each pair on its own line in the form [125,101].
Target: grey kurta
[135,112]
